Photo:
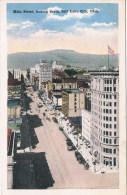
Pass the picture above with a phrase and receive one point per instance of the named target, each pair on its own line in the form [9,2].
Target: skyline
[73,30]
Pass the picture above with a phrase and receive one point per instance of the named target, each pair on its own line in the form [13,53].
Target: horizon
[59,49]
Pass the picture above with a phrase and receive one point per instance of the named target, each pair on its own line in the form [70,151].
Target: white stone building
[105,117]
[45,72]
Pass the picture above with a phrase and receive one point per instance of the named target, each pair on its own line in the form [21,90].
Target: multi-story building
[66,83]
[73,101]
[105,117]
[45,72]
[34,72]
[16,73]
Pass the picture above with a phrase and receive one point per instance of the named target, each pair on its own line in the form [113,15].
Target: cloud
[96,24]
[71,15]
[27,24]
[11,26]
[42,33]
[22,25]
[83,40]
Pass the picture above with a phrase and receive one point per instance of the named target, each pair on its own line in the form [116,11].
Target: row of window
[110,162]
[106,118]
[107,96]
[109,126]
[109,141]
[110,151]
[109,103]
[109,133]
[109,111]
[109,81]
[109,89]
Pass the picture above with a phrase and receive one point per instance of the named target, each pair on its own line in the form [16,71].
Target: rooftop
[57,96]
[72,90]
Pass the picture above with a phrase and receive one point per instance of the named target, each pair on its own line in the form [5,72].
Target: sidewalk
[82,148]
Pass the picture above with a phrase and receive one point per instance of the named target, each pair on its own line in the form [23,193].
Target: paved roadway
[65,169]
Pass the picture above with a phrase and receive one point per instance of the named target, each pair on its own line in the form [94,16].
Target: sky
[82,27]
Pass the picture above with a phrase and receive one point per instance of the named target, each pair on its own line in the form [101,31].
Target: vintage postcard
[63,97]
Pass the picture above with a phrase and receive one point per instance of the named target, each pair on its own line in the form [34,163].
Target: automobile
[61,128]
[75,133]
[54,119]
[69,142]
[70,148]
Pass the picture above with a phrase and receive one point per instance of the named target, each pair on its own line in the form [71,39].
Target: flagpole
[108,58]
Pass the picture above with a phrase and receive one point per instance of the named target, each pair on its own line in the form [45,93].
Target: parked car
[75,133]
[54,119]
[70,148]
[61,128]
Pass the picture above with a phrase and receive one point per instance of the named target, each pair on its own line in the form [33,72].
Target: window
[110,118]
[106,140]
[103,132]
[110,133]
[107,88]
[114,151]
[106,132]
[114,141]
[110,103]
[110,126]
[110,81]
[114,126]
[106,125]
[115,111]
[103,124]
[110,151]
[114,133]
[110,111]
[110,141]
[106,150]
[103,103]
[106,96]
[114,103]
[107,81]
[114,161]
[114,96]
[114,118]
[106,110]
[110,96]
[114,81]
[114,88]
[110,88]
[103,149]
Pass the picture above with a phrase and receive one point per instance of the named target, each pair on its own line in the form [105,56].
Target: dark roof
[56,90]
[72,90]
[58,96]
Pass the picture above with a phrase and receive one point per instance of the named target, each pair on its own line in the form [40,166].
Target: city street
[65,169]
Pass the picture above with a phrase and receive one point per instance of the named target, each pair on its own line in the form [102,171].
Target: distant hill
[65,57]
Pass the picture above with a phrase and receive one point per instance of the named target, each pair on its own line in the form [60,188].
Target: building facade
[105,117]
[45,72]
[73,101]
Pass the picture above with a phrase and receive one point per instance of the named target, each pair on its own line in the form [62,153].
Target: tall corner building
[45,72]
[105,117]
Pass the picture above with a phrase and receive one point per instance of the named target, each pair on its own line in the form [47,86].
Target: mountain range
[24,60]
